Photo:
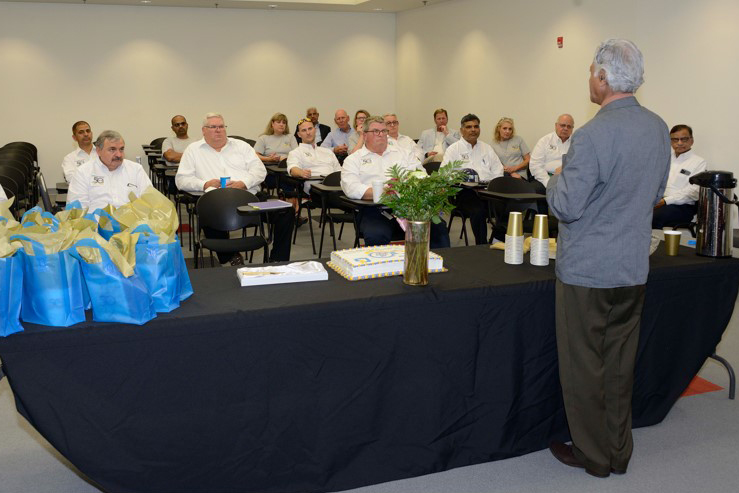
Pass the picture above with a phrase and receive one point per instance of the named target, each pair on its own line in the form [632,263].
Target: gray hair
[106,135]
[622,63]
[372,119]
[389,114]
[212,115]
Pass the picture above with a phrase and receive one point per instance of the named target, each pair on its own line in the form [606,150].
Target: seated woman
[275,143]
[510,148]
[356,140]
[273,146]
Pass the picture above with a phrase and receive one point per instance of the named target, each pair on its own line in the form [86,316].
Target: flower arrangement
[418,196]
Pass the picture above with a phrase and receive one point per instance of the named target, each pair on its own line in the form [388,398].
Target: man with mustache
[108,178]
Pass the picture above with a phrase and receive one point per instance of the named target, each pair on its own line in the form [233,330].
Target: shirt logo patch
[307,154]
[98,181]
[367,160]
[552,147]
[465,156]
[685,172]
[80,162]
[132,185]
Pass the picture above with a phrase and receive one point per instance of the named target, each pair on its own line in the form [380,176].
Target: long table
[332,385]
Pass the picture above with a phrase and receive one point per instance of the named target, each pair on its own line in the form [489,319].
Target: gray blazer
[428,139]
[612,176]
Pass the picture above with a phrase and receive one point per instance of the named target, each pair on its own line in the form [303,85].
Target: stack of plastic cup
[540,241]
[514,239]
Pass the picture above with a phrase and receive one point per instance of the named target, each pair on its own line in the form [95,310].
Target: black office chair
[44,194]
[217,210]
[251,142]
[499,209]
[334,211]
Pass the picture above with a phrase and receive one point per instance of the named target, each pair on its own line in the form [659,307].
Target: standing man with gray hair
[107,178]
[603,195]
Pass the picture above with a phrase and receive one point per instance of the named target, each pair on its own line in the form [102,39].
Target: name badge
[685,172]
[98,181]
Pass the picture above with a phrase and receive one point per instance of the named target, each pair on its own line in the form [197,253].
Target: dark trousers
[668,216]
[379,230]
[597,339]
[283,221]
[476,210]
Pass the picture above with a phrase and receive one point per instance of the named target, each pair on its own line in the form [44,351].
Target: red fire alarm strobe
[560,41]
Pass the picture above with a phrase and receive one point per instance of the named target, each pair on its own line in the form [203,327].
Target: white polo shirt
[679,191]
[547,156]
[74,160]
[364,166]
[95,186]
[201,163]
[481,158]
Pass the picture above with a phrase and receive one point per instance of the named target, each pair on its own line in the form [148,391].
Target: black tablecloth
[332,385]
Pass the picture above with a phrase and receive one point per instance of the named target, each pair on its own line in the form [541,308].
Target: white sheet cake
[379,261]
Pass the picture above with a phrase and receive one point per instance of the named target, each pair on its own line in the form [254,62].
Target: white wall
[132,68]
[497,58]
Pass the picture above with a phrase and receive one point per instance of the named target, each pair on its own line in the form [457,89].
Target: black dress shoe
[563,453]
[618,471]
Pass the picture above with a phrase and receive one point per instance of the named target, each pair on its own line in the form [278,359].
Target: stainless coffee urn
[714,233]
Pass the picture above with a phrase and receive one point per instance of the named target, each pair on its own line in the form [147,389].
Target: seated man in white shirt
[546,157]
[216,155]
[371,163]
[82,134]
[435,140]
[678,205]
[173,147]
[480,157]
[108,178]
[309,160]
[395,138]
[322,130]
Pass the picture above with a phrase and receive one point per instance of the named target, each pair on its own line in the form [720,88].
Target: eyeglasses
[378,132]
[183,124]
[215,127]
[684,140]
[392,124]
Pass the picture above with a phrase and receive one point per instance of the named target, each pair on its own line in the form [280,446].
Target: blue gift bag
[114,224]
[51,221]
[53,289]
[115,298]
[11,294]
[163,269]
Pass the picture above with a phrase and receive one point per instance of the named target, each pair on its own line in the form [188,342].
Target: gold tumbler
[672,242]
[541,227]
[515,224]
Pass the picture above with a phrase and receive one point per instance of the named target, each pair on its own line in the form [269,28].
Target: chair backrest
[26,146]
[432,166]
[333,179]
[509,184]
[43,192]
[217,209]
[157,143]
[18,177]
[9,185]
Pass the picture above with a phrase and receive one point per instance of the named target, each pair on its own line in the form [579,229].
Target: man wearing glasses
[678,204]
[546,157]
[173,147]
[369,164]
[395,138]
[216,155]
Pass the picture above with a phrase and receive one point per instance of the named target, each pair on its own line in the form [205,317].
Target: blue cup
[224,180]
